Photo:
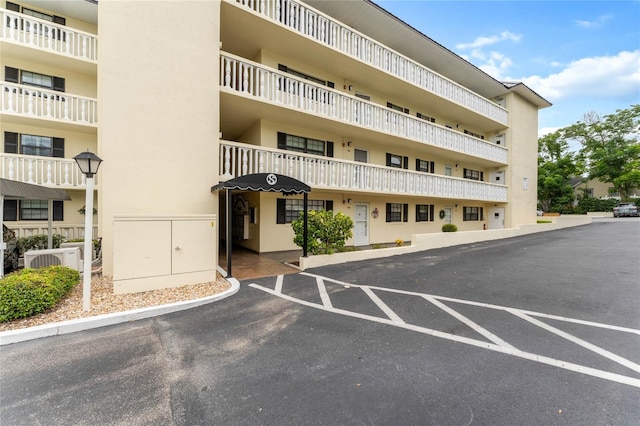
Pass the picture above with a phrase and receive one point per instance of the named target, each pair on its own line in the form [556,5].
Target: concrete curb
[71,326]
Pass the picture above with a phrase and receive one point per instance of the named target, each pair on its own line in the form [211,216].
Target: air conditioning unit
[68,256]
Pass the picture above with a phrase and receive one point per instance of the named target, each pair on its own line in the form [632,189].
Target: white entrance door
[496,218]
[361,226]
[447,215]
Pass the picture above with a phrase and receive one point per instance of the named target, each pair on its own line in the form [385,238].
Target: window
[425,212]
[397,212]
[612,191]
[306,145]
[425,118]
[425,166]
[588,192]
[45,17]
[305,76]
[473,213]
[363,96]
[45,146]
[397,161]
[32,210]
[475,135]
[35,79]
[397,107]
[473,174]
[289,209]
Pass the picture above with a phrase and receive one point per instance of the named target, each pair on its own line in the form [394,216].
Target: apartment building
[594,188]
[382,123]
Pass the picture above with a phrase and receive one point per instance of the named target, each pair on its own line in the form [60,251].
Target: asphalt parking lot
[536,330]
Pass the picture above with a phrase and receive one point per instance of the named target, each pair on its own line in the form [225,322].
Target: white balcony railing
[253,79]
[44,35]
[237,159]
[312,23]
[69,231]
[19,99]
[45,171]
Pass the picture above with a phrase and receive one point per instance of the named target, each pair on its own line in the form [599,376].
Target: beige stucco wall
[75,83]
[522,141]
[158,93]
[279,237]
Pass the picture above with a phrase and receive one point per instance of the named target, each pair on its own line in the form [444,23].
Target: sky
[582,56]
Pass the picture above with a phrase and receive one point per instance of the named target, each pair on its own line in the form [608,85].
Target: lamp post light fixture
[88,163]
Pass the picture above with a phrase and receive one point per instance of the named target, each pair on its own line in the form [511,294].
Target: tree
[557,165]
[610,147]
[326,232]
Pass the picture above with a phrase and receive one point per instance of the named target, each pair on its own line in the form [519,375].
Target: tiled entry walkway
[246,264]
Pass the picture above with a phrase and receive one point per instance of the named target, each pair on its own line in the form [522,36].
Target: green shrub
[595,205]
[32,291]
[38,242]
[326,232]
[449,227]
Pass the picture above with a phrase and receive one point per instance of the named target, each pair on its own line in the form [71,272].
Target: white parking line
[383,306]
[498,344]
[578,341]
[279,283]
[486,333]
[326,300]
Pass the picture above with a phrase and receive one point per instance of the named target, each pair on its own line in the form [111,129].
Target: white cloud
[602,77]
[496,64]
[493,63]
[598,22]
[486,41]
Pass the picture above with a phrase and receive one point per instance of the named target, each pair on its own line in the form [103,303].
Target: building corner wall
[523,162]
[158,136]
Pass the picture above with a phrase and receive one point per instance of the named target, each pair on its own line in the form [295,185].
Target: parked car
[626,210]
[539,212]
[11,253]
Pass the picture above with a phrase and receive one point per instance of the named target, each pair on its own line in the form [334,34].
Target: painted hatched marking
[497,345]
[602,352]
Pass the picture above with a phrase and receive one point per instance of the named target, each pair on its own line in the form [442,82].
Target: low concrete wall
[421,242]
[600,214]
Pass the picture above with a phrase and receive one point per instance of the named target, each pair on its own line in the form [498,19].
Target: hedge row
[32,291]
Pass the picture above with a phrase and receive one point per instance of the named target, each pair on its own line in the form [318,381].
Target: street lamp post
[88,163]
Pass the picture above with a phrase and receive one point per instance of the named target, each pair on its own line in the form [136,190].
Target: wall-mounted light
[349,143]
[456,166]
[456,206]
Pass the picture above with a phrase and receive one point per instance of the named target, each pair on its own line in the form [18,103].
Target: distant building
[594,188]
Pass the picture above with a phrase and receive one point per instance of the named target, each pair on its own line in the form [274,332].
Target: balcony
[251,79]
[323,29]
[51,172]
[46,36]
[30,102]
[237,159]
